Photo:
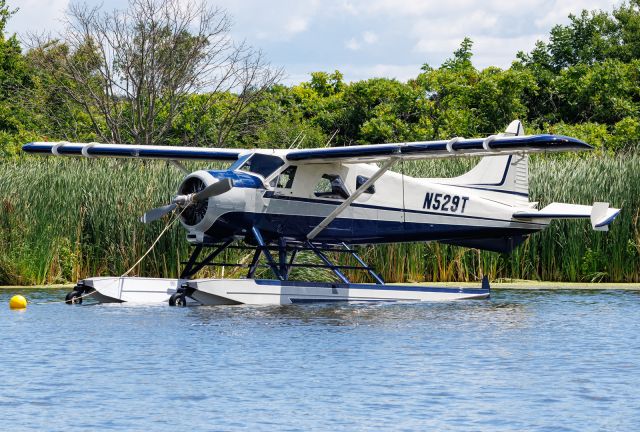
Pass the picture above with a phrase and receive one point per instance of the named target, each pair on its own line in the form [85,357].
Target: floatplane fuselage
[319,200]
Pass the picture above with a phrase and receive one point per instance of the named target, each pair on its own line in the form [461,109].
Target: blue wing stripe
[150,152]
[533,142]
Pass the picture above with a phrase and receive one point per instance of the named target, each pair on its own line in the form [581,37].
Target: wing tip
[574,142]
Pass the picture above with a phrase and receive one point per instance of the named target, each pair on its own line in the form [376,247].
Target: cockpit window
[331,186]
[262,164]
[285,179]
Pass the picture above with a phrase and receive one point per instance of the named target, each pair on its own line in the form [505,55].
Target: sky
[364,38]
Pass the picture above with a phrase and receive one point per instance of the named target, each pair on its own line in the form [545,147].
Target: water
[543,361]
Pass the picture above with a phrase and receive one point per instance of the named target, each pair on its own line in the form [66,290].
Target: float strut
[373,274]
[293,257]
[195,269]
[192,259]
[329,264]
[254,263]
[265,250]
[282,257]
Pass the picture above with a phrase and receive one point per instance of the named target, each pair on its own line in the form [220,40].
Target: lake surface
[524,360]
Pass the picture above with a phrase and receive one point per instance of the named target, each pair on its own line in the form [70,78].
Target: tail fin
[506,177]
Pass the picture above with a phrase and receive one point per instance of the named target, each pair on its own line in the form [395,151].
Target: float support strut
[254,263]
[373,274]
[329,264]
[265,250]
[282,257]
[186,271]
[192,270]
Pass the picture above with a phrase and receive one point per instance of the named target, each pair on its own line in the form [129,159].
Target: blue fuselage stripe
[270,194]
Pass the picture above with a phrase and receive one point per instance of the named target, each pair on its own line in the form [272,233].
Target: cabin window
[331,186]
[262,164]
[360,180]
[285,179]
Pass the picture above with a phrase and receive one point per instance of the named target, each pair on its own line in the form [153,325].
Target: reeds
[64,219]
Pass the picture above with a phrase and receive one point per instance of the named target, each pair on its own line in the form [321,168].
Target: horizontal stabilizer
[600,214]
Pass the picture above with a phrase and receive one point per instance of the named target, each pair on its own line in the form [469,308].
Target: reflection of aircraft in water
[282,202]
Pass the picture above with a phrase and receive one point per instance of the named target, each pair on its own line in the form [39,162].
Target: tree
[132,72]
[628,31]
[14,76]
[589,38]
[461,57]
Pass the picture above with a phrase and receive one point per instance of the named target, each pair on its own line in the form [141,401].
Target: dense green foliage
[58,223]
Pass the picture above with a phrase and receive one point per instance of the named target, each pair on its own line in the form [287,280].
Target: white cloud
[498,29]
[369,37]
[398,71]
[562,9]
[353,44]
[296,25]
[348,7]
[302,35]
[36,16]
[495,51]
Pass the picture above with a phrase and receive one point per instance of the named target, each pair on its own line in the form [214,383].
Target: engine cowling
[199,217]
[196,212]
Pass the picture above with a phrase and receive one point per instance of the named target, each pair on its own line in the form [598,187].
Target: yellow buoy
[18,302]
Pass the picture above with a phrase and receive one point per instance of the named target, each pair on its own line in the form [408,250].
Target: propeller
[157,213]
[217,188]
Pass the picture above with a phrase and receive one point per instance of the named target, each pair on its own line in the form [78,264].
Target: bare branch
[134,71]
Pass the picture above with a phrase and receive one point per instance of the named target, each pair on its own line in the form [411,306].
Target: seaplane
[279,203]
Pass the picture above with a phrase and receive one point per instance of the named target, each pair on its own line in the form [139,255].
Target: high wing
[493,145]
[93,150]
[512,141]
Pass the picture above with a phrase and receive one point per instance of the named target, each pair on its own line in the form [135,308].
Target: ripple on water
[561,360]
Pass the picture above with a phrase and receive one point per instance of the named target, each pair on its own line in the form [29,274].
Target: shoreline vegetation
[63,220]
[61,226]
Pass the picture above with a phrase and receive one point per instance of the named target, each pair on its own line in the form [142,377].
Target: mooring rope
[167,226]
[153,245]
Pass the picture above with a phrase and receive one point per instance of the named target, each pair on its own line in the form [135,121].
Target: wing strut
[334,214]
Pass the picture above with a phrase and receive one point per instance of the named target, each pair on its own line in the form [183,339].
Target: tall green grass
[65,219]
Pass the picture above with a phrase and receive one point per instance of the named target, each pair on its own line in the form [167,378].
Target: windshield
[258,163]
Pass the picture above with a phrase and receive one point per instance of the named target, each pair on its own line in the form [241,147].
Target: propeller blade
[219,187]
[157,213]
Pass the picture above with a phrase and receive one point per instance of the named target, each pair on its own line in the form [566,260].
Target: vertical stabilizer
[506,177]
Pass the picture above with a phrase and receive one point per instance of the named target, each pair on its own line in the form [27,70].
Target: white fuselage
[401,208]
